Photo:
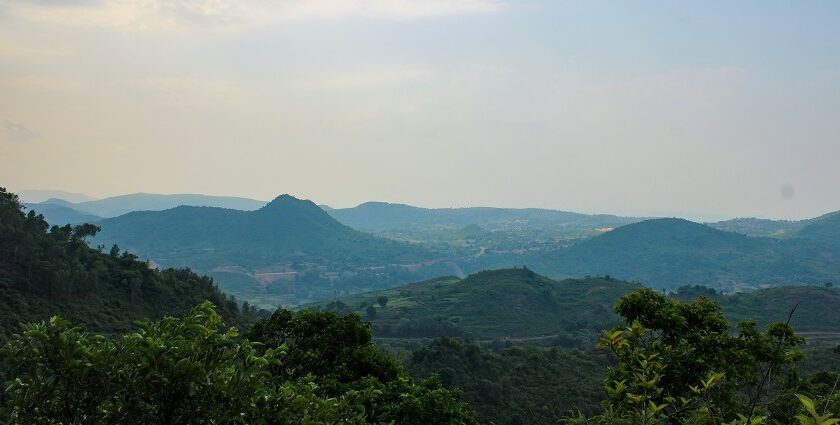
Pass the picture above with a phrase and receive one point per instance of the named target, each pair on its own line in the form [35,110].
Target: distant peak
[288,201]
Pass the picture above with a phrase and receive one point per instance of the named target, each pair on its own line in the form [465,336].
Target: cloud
[16,132]
[175,14]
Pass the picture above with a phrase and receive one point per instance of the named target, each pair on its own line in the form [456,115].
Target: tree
[370,311]
[338,353]
[382,300]
[189,370]
[678,361]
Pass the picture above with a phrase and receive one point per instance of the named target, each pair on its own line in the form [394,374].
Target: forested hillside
[517,385]
[521,306]
[499,304]
[46,271]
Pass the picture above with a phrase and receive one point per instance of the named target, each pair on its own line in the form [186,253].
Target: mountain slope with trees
[521,306]
[46,271]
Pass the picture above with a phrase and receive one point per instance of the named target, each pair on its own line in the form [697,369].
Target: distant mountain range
[119,205]
[292,244]
[37,196]
[290,250]
[386,218]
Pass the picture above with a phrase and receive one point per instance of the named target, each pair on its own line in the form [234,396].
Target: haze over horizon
[713,110]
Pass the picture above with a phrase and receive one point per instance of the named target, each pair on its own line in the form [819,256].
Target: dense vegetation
[519,305]
[292,369]
[52,271]
[519,384]
[502,312]
[515,304]
[679,363]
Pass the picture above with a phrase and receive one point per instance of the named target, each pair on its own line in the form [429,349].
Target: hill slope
[283,230]
[508,303]
[825,229]
[669,253]
[48,272]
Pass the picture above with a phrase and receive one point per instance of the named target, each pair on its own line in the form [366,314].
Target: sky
[710,109]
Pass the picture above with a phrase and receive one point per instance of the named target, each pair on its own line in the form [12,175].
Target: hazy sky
[705,109]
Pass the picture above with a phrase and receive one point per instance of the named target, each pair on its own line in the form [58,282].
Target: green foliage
[337,349]
[508,303]
[516,385]
[337,353]
[524,307]
[316,368]
[189,370]
[812,417]
[678,363]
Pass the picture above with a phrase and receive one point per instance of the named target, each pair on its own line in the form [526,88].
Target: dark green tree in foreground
[194,370]
[189,370]
[337,352]
[679,363]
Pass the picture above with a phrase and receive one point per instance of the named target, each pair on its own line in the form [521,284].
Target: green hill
[285,229]
[511,303]
[52,271]
[292,245]
[668,253]
[520,306]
